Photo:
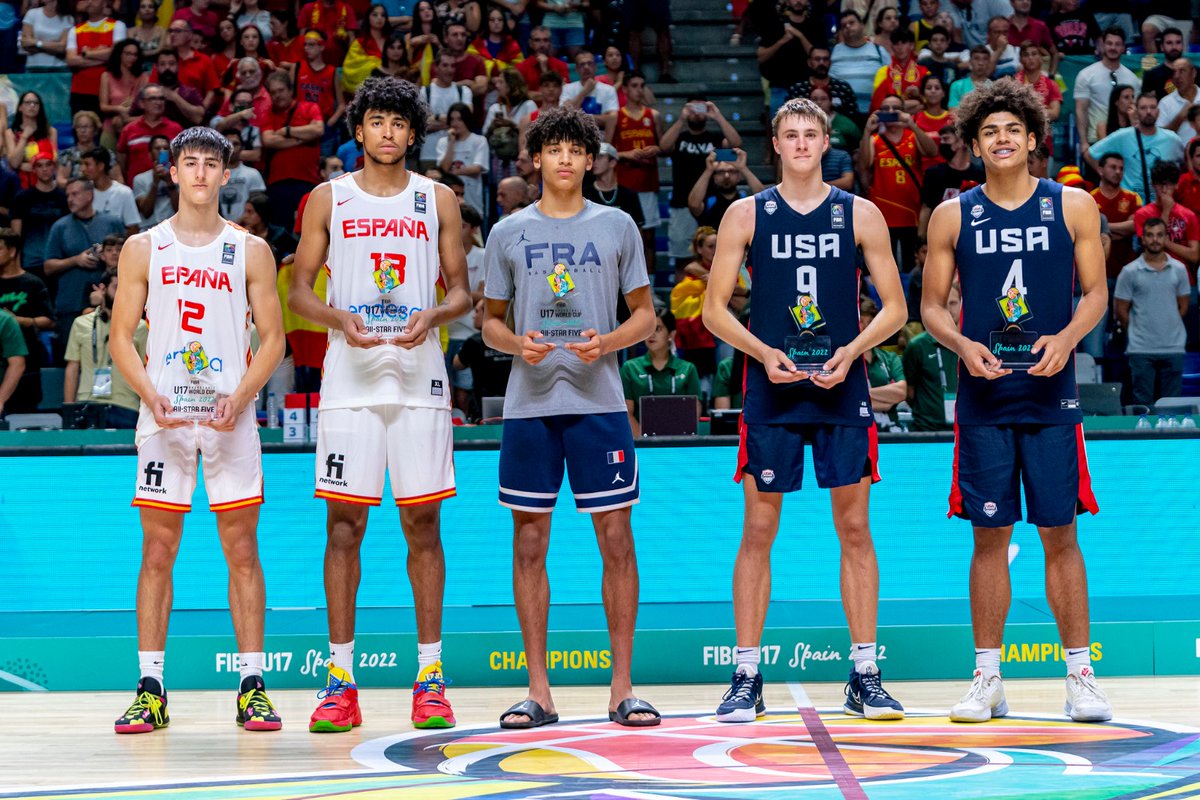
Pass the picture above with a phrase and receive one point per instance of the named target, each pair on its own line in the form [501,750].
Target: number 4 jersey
[199,316]
[383,265]
[1016,269]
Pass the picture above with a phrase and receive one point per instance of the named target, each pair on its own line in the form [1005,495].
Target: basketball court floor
[61,744]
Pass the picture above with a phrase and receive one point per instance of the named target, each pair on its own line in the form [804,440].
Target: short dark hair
[471,217]
[1175,31]
[1154,222]
[261,204]
[1146,93]
[464,111]
[1113,30]
[1164,172]
[391,95]
[113,240]
[854,14]
[551,77]
[451,180]
[668,319]
[208,141]
[637,73]
[166,51]
[100,155]
[563,124]
[1107,156]
[1018,99]
[936,29]
[10,238]
[901,35]
[980,50]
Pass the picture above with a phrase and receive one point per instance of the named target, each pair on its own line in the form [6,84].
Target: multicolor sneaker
[430,708]
[866,697]
[148,711]
[1086,702]
[338,711]
[744,700]
[255,712]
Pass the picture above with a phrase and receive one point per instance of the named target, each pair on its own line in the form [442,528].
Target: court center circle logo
[691,756]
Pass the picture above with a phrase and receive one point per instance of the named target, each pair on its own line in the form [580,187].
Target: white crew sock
[864,655]
[427,656]
[1077,659]
[342,657]
[747,659]
[251,664]
[151,662]
[987,661]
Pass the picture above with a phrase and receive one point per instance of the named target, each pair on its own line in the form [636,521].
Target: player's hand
[982,363]
[356,333]
[414,332]
[532,350]
[228,410]
[589,350]
[1055,354]
[162,408]
[780,368]
[838,366]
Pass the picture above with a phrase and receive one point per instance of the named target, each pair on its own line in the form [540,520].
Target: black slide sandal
[633,705]
[529,708]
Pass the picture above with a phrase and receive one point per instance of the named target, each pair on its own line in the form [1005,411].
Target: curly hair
[563,125]
[1015,98]
[394,96]
[208,141]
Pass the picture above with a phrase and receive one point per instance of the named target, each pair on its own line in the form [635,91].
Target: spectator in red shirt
[285,46]
[316,82]
[541,60]
[195,68]
[1118,205]
[202,19]
[1183,227]
[498,49]
[133,148]
[1188,193]
[336,20]
[249,79]
[250,45]
[291,137]
[89,44]
[185,105]
[1023,28]
[468,69]
[30,137]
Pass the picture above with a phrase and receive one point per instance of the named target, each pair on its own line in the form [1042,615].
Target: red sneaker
[430,708]
[338,711]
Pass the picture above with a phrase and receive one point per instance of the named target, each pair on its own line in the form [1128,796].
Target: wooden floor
[61,740]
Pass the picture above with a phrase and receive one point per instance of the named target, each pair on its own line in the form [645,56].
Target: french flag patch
[616,456]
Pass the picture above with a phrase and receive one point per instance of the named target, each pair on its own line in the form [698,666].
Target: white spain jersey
[383,265]
[199,316]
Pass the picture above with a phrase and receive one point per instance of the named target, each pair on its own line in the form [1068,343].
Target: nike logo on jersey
[977,222]
[343,202]
[165,246]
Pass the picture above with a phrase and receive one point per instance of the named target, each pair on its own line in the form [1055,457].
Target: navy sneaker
[866,697]
[744,700]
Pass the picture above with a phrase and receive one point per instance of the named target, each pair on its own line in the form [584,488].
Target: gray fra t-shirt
[564,276]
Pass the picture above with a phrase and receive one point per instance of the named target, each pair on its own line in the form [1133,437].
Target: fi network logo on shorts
[153,473]
[334,464]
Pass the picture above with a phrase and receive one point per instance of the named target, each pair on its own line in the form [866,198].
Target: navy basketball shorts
[596,449]
[774,455]
[993,462]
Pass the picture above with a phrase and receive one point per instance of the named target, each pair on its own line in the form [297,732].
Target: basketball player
[381,233]
[199,280]
[563,264]
[803,236]
[1018,243]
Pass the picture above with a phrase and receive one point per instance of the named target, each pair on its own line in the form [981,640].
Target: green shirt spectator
[658,373]
[12,356]
[727,391]
[885,373]
[932,373]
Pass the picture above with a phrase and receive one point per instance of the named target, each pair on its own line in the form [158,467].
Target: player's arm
[938,277]
[734,235]
[632,331]
[310,257]
[498,336]
[1083,220]
[454,269]
[133,286]
[871,234]
[268,319]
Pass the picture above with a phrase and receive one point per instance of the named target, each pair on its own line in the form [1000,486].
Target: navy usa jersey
[804,270]
[1016,268]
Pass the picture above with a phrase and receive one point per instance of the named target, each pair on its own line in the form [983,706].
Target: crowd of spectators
[275,75]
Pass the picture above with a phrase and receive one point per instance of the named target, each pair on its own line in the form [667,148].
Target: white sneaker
[1086,702]
[984,701]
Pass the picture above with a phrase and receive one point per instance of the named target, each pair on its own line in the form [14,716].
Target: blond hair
[802,108]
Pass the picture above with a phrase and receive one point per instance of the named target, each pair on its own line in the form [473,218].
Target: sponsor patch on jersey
[1046,205]
[990,508]
[1070,404]
[837,216]
[770,206]
[419,202]
[976,211]
[435,388]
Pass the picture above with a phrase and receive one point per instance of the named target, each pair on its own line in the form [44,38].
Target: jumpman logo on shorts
[618,479]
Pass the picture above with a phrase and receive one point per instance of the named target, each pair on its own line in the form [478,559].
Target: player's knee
[855,534]
[1058,542]
[158,554]
[616,546]
[421,525]
[346,534]
[529,547]
[241,554]
[758,535]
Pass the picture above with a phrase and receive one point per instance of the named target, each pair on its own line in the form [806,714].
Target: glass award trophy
[808,349]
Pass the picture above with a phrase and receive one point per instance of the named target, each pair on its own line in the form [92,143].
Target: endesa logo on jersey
[400,228]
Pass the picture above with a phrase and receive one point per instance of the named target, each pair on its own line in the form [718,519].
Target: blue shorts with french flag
[596,449]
